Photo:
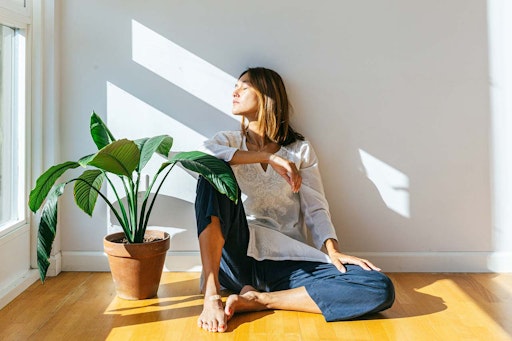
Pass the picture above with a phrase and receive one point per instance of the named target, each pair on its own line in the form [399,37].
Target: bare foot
[246,289]
[213,318]
[249,299]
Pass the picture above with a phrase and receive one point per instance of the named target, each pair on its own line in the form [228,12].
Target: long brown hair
[274,107]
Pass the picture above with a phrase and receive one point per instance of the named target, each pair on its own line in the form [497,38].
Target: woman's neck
[257,139]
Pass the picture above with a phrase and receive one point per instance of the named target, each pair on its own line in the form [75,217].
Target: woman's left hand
[339,259]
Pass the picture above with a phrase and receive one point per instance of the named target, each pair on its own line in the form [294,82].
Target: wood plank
[83,306]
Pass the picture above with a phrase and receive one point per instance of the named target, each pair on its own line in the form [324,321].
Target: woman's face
[245,99]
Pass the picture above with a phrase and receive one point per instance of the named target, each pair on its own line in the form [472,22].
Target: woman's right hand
[288,170]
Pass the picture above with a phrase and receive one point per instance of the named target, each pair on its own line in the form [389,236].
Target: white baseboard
[500,262]
[189,261]
[20,284]
[85,261]
[440,261]
[55,265]
[388,261]
[98,261]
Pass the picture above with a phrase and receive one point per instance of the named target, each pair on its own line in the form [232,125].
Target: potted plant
[124,159]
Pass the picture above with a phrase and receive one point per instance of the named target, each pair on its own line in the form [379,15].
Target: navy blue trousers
[340,296]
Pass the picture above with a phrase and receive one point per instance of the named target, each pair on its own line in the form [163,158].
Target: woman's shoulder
[301,151]
[299,146]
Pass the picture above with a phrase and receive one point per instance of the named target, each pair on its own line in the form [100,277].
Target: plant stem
[131,213]
[124,223]
[156,193]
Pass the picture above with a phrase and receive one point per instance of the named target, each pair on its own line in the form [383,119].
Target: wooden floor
[82,306]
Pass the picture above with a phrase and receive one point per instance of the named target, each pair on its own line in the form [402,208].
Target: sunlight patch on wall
[182,68]
[132,118]
[392,184]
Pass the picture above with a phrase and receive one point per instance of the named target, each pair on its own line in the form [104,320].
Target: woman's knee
[209,203]
[387,292]
[209,199]
[204,188]
[378,286]
[382,289]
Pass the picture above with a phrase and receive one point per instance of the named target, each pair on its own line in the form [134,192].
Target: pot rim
[136,250]
[116,235]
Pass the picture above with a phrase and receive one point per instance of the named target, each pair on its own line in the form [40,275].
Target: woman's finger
[363,263]
[296,177]
[339,265]
[373,267]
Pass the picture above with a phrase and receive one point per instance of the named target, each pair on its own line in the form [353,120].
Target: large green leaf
[165,146]
[47,230]
[45,183]
[161,144]
[99,132]
[86,189]
[217,172]
[85,160]
[121,157]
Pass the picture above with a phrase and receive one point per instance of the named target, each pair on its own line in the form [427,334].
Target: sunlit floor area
[83,306]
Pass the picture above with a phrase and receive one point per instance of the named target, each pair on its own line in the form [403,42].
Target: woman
[277,250]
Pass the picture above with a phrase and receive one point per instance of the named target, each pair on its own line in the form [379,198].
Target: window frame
[20,18]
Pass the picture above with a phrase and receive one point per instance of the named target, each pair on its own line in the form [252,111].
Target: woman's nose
[235,93]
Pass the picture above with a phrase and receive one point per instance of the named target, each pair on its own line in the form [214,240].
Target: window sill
[12,226]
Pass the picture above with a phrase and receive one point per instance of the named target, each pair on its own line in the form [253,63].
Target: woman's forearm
[286,168]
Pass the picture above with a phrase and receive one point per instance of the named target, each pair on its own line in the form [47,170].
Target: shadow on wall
[376,202]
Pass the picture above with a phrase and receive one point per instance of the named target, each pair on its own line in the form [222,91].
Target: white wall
[394,95]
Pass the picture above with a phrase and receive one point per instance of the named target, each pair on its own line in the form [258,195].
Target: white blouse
[282,225]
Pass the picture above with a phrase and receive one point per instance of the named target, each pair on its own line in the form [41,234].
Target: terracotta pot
[136,268]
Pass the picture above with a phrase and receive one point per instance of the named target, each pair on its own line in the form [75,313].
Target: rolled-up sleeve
[223,145]
[312,198]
